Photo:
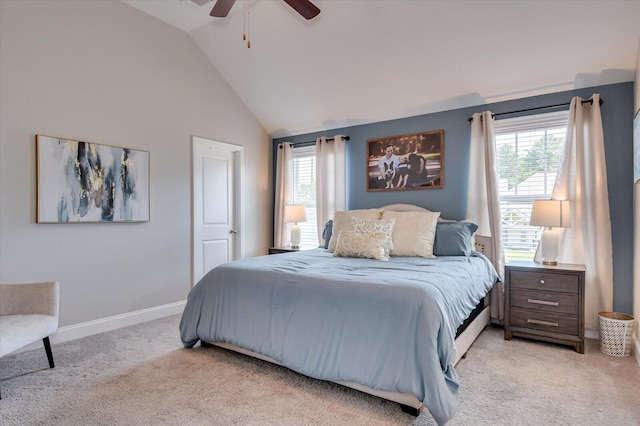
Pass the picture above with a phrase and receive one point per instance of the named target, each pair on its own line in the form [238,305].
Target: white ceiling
[363,61]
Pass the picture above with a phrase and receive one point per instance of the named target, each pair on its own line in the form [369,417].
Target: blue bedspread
[387,325]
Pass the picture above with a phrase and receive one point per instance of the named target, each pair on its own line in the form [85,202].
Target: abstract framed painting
[89,182]
[412,161]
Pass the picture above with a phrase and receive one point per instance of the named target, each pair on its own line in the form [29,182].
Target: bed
[393,329]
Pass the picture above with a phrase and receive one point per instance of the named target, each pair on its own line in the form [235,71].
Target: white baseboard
[591,334]
[89,328]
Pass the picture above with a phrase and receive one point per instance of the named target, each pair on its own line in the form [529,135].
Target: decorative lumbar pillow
[365,245]
[453,238]
[413,232]
[342,222]
[371,226]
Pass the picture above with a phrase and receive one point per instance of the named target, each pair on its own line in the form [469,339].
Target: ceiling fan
[304,7]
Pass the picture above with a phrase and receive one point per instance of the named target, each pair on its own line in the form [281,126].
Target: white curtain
[331,186]
[284,174]
[483,198]
[582,179]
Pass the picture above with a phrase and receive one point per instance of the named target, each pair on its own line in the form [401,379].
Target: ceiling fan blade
[304,7]
[222,8]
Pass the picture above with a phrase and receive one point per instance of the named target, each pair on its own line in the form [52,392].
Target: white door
[217,231]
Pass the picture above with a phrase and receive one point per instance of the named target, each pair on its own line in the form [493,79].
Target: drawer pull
[549,323]
[541,281]
[543,302]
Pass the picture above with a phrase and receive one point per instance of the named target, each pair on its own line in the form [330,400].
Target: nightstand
[545,302]
[278,250]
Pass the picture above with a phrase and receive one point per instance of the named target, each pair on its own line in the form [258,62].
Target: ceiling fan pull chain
[249,29]
[304,7]
[221,9]
[244,21]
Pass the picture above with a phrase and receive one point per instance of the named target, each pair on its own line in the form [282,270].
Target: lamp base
[295,236]
[549,246]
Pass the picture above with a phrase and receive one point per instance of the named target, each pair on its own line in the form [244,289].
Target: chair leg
[47,348]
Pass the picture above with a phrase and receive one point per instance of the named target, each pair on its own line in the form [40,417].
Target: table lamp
[295,213]
[550,214]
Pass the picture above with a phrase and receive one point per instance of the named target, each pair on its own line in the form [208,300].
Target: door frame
[238,197]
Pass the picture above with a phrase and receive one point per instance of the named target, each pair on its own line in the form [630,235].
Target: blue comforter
[387,325]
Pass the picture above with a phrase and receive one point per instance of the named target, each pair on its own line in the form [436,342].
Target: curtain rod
[309,143]
[590,101]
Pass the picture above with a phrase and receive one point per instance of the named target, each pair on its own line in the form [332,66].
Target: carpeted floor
[141,375]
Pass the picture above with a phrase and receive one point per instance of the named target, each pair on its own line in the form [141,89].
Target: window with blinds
[528,151]
[304,191]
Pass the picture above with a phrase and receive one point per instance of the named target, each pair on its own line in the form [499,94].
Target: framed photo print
[413,161]
[88,182]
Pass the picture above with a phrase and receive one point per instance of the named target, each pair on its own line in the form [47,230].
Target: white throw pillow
[342,222]
[370,226]
[413,233]
[371,245]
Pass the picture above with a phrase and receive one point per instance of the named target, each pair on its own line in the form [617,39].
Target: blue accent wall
[617,119]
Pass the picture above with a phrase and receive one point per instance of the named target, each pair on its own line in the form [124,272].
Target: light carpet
[141,375]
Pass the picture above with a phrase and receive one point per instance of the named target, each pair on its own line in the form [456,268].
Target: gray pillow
[326,233]
[453,238]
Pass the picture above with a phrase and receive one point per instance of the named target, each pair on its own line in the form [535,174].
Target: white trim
[535,122]
[237,153]
[591,334]
[238,163]
[89,328]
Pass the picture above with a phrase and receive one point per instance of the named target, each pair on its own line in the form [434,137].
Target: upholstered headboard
[404,208]
[481,243]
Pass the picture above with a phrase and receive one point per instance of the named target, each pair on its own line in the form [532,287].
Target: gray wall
[451,200]
[636,226]
[104,72]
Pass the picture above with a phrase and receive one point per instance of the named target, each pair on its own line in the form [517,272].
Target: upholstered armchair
[28,313]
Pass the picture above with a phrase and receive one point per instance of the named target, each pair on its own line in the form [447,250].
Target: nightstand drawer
[534,280]
[544,321]
[545,301]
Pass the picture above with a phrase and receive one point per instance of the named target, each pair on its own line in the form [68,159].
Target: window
[528,153]
[304,191]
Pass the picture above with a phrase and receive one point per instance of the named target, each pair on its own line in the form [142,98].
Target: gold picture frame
[88,182]
[406,162]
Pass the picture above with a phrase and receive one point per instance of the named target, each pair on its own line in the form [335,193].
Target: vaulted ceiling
[362,61]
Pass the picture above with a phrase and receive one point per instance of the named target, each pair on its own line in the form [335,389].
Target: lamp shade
[295,213]
[551,213]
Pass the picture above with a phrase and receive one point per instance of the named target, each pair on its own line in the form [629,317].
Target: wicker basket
[616,331]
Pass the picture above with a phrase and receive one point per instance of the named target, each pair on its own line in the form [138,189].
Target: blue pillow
[326,233]
[453,238]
